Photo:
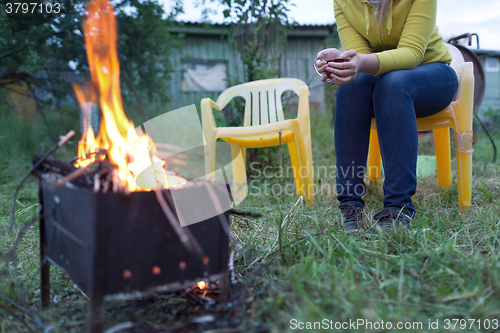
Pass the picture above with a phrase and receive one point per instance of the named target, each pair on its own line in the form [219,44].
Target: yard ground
[296,269]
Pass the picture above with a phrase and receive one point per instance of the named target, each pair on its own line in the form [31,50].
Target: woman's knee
[392,84]
[359,89]
[363,81]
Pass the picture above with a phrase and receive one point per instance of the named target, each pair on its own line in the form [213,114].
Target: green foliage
[491,118]
[42,52]
[45,51]
[146,46]
[259,32]
[426,144]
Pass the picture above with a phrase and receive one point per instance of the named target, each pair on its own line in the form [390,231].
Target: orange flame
[202,285]
[87,144]
[129,151]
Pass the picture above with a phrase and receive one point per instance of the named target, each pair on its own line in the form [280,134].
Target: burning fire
[130,152]
[202,285]
[87,144]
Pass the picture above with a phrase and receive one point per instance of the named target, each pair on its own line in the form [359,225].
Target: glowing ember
[130,152]
[127,274]
[202,285]
[156,270]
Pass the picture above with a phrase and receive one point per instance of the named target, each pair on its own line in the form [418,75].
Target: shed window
[204,76]
[492,65]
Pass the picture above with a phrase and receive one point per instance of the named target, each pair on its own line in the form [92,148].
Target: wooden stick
[168,146]
[186,166]
[167,157]
[185,236]
[115,181]
[218,208]
[189,290]
[97,182]
[105,184]
[77,173]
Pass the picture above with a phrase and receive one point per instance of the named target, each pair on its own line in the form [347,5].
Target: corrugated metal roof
[228,24]
[201,28]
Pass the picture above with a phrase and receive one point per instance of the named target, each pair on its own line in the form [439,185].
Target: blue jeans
[395,100]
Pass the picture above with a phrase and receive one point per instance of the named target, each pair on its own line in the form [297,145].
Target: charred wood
[61,168]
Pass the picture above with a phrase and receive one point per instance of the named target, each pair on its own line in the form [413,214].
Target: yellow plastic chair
[458,115]
[262,125]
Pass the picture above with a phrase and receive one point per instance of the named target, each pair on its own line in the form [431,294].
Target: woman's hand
[343,69]
[322,58]
[344,72]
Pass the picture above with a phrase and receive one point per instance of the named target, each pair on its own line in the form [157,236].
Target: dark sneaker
[351,216]
[388,218]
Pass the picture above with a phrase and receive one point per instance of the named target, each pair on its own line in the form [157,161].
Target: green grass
[447,267]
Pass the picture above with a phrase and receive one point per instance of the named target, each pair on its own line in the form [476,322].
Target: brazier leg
[44,264]
[225,287]
[45,283]
[95,315]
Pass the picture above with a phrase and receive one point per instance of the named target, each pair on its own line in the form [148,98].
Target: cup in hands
[330,55]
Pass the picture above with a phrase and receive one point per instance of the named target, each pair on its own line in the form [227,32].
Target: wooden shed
[207,60]
[491,66]
[18,95]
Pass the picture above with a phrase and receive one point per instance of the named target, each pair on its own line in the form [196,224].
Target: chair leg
[239,187]
[209,150]
[464,176]
[306,170]
[464,168]
[463,137]
[443,156]
[374,158]
[294,157]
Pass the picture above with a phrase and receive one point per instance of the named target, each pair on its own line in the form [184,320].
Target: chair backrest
[457,60]
[262,99]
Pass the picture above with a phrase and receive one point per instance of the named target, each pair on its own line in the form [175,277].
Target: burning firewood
[50,164]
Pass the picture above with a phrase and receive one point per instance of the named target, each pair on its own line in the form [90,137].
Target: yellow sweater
[410,36]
